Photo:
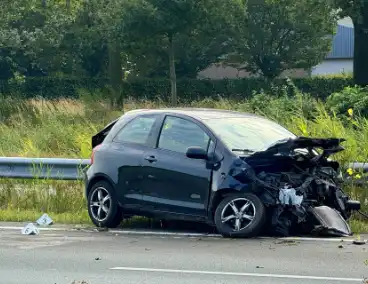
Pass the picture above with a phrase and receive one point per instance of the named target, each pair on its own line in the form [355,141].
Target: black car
[240,172]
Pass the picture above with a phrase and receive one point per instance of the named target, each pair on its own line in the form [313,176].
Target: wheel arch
[217,197]
[96,178]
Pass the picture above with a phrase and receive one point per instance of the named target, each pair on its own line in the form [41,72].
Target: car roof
[197,113]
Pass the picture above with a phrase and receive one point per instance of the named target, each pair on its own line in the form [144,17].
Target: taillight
[93,153]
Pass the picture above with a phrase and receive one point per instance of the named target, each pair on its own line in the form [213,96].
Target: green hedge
[51,87]
[188,89]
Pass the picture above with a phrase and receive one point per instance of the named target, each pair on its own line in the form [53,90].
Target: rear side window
[136,131]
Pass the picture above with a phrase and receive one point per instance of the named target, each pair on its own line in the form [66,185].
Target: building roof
[343,43]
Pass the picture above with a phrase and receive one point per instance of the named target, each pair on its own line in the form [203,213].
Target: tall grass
[63,128]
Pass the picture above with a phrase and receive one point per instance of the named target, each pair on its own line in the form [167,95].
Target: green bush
[188,89]
[355,98]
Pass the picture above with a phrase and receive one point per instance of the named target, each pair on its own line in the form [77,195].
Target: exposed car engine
[303,187]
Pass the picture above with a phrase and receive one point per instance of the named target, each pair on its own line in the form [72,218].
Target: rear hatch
[98,138]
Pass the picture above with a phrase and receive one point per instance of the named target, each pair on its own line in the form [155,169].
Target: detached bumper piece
[329,222]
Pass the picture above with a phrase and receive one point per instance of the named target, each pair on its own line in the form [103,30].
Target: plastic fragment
[30,229]
[45,220]
[288,196]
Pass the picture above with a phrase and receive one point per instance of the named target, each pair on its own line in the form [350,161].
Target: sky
[346,22]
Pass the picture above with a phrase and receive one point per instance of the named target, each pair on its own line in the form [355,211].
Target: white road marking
[8,228]
[176,234]
[320,239]
[224,273]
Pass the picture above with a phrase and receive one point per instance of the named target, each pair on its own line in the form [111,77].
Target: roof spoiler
[98,138]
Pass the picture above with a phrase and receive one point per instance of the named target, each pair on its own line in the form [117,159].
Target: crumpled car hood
[329,145]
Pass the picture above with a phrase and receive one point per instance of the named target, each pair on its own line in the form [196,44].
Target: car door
[129,145]
[173,182]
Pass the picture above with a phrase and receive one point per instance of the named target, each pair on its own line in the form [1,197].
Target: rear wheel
[103,208]
[240,215]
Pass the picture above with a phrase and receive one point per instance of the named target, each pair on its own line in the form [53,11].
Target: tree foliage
[278,35]
[169,38]
[30,36]
[183,30]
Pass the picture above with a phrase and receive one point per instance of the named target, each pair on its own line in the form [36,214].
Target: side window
[136,130]
[178,134]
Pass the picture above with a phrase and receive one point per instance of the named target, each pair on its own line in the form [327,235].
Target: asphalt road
[104,257]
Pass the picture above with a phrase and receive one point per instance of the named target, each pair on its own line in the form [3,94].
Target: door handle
[150,159]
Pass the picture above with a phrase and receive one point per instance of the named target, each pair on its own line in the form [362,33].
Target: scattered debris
[102,229]
[45,220]
[259,266]
[30,229]
[80,282]
[359,242]
[287,242]
[341,246]
[97,258]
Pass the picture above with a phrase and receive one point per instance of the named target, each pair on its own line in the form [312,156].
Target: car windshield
[248,134]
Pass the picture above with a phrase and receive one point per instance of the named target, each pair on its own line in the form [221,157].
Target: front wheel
[103,208]
[240,215]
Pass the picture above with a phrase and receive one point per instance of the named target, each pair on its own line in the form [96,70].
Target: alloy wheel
[100,204]
[239,213]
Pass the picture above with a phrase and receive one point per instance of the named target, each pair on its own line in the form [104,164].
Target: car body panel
[180,188]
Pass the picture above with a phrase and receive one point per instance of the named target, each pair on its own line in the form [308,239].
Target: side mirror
[197,153]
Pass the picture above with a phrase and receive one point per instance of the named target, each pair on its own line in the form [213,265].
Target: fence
[67,169]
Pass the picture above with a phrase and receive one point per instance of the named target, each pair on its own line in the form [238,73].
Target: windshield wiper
[278,142]
[243,150]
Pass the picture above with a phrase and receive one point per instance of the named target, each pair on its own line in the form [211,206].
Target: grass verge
[19,215]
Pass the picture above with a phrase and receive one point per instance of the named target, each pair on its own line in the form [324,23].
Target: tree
[278,35]
[357,10]
[162,23]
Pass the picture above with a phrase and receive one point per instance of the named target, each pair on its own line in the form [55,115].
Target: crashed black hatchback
[242,173]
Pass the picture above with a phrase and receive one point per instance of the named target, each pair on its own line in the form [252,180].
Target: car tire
[252,220]
[103,208]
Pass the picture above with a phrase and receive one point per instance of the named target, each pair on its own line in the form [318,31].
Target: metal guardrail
[359,166]
[43,168]
[67,169]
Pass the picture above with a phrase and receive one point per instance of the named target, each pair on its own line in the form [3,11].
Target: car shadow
[178,226]
[174,226]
